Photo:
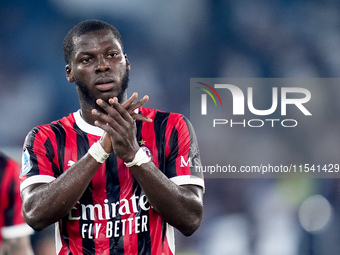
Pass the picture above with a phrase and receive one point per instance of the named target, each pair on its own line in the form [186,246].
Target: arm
[180,206]
[45,204]
[17,246]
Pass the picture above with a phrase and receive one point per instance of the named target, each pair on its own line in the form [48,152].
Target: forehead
[95,40]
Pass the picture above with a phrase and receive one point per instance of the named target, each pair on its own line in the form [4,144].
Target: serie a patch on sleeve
[26,163]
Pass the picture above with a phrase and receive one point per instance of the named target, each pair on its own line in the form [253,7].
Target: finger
[120,113]
[113,100]
[139,103]
[116,114]
[130,107]
[128,102]
[108,124]
[135,106]
[131,99]
[104,125]
[140,117]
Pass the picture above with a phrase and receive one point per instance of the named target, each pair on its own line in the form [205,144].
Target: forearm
[17,246]
[45,204]
[180,206]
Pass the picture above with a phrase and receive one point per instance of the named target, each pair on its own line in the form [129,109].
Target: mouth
[104,84]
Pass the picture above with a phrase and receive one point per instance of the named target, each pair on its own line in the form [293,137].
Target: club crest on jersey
[26,163]
[194,150]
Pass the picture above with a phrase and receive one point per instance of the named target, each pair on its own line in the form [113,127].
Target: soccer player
[114,176]
[14,232]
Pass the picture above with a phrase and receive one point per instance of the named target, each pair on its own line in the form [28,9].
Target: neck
[87,106]
[87,115]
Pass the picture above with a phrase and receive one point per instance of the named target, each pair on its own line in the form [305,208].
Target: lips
[104,84]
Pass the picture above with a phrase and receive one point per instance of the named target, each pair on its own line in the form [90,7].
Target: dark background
[167,44]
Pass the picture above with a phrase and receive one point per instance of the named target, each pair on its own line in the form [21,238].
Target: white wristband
[98,153]
[141,157]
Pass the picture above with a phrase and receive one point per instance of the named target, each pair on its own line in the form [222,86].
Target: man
[114,178]
[14,232]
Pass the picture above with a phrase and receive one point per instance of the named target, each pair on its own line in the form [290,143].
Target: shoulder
[51,129]
[159,116]
[171,121]
[65,121]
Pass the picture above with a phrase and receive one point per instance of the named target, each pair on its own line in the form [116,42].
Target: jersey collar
[86,127]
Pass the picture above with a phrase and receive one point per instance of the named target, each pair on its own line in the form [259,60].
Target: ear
[69,73]
[128,66]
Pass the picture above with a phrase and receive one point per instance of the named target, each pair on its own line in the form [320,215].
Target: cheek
[81,74]
[123,68]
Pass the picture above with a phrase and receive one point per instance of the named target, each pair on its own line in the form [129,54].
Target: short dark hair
[85,27]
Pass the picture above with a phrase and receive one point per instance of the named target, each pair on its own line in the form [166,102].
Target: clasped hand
[117,121]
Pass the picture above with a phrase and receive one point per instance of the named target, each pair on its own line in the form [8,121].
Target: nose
[103,65]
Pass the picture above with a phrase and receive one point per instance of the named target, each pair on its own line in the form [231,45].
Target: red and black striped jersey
[12,224]
[113,216]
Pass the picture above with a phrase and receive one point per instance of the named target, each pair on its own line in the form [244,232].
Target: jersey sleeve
[183,160]
[38,158]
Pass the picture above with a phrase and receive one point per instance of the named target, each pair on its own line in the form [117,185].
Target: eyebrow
[106,49]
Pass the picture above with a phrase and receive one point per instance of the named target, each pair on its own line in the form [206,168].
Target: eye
[85,60]
[112,54]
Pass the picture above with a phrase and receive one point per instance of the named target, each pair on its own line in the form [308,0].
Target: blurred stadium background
[167,44]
